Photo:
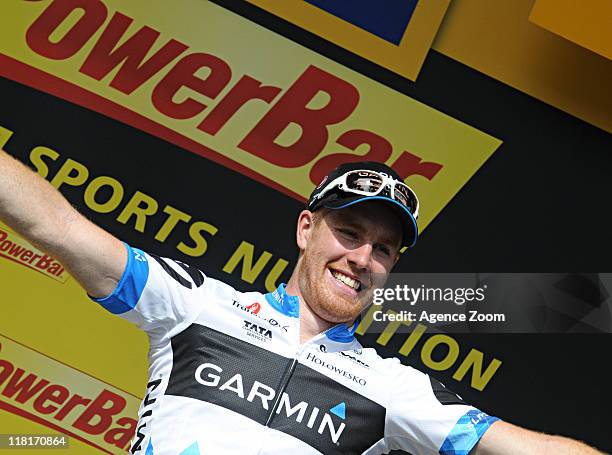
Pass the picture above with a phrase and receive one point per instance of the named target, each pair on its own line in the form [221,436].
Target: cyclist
[234,372]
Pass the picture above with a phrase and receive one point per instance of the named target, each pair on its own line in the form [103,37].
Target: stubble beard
[323,301]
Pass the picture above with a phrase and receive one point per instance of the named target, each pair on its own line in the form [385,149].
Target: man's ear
[305,227]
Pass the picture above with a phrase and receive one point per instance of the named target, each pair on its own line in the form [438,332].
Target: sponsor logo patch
[208,374]
[256,331]
[326,364]
[254,309]
[354,359]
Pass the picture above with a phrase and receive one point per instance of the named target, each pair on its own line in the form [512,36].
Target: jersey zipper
[283,385]
[284,382]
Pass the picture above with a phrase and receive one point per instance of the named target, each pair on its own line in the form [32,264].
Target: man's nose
[361,257]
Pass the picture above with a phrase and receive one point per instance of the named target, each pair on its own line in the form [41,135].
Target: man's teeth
[346,280]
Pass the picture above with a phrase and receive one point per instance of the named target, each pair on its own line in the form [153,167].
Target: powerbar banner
[162,126]
[394,34]
[233,92]
[45,391]
[194,133]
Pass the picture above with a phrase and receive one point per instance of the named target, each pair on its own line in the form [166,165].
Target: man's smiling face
[346,253]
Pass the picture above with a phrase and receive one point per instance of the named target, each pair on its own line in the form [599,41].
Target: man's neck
[310,323]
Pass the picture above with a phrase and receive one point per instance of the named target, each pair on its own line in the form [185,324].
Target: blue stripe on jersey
[283,302]
[193,449]
[290,305]
[342,332]
[127,293]
[466,433]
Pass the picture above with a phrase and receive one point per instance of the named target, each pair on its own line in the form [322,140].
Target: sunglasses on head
[373,183]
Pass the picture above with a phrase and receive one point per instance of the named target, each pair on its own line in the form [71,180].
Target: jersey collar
[283,302]
[343,333]
[290,306]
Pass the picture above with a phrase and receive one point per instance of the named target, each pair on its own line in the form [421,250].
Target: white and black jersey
[228,374]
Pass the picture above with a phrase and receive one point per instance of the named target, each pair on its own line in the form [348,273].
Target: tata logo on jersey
[205,375]
[255,331]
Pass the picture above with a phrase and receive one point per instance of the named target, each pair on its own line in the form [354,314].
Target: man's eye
[384,249]
[348,233]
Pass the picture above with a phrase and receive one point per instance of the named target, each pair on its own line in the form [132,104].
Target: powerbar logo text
[72,402]
[129,56]
[16,249]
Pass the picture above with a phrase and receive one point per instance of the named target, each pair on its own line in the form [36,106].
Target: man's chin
[337,314]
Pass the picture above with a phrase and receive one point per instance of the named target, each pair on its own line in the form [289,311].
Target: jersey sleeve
[423,417]
[157,294]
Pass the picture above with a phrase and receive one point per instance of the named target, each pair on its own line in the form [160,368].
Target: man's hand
[39,213]
[505,438]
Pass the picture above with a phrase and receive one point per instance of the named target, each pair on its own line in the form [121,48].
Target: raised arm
[39,213]
[505,438]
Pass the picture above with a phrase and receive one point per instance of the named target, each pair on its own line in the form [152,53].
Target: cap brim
[409,225]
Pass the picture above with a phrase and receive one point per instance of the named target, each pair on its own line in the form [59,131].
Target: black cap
[338,199]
